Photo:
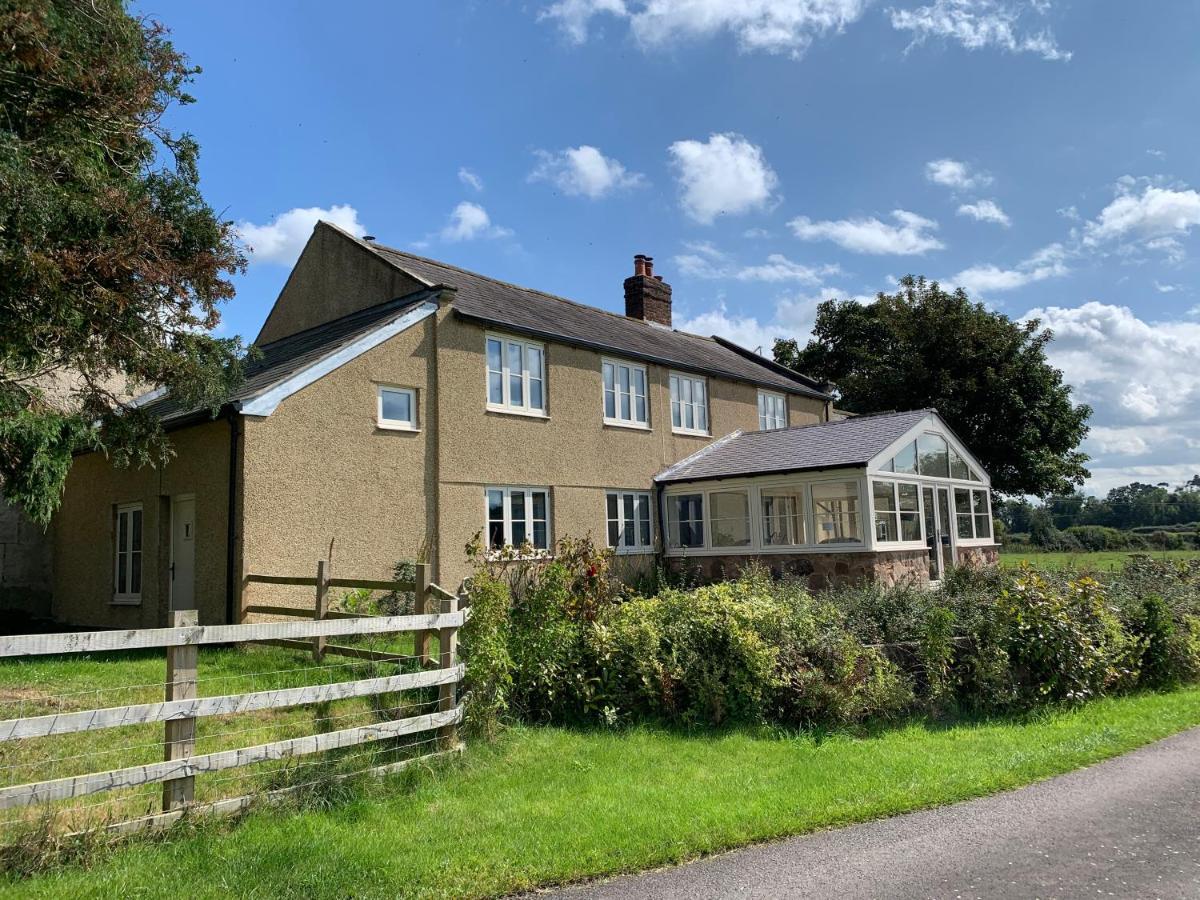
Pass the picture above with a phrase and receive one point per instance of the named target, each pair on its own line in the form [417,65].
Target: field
[547,805]
[1100,561]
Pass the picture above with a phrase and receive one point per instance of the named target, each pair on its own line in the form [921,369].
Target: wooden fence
[183,705]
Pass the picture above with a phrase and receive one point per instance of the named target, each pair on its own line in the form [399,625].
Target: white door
[183,553]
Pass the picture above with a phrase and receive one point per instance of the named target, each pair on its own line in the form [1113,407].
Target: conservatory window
[835,512]
[685,521]
[729,513]
[906,460]
[934,455]
[783,516]
[897,511]
[971,511]
[958,466]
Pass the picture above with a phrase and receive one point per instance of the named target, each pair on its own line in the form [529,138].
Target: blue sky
[767,153]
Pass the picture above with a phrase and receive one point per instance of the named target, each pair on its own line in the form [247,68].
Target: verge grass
[548,805]
[1099,560]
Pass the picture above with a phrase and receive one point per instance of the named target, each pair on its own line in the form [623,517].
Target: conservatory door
[931,534]
[945,528]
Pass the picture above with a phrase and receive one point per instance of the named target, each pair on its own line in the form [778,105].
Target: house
[401,406]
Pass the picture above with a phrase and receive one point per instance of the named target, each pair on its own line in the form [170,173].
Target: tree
[986,374]
[112,266]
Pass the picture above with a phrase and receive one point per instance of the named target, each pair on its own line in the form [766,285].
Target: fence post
[421,606]
[180,736]
[320,608]
[448,647]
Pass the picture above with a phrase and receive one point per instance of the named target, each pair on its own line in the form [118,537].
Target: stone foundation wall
[888,567]
[978,557]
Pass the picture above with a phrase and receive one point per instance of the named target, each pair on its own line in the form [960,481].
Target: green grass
[1103,560]
[547,805]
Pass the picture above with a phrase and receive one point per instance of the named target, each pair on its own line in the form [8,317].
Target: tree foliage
[986,374]
[112,266]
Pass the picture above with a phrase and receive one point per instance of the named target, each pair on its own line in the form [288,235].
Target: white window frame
[508,491]
[972,488]
[395,424]
[638,546]
[678,378]
[526,375]
[896,511]
[128,597]
[770,419]
[633,421]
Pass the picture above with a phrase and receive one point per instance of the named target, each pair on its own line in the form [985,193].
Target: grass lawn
[1103,561]
[547,805]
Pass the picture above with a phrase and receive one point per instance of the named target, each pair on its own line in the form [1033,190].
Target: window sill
[688,432]
[632,551]
[536,556]
[125,601]
[633,426]
[387,426]
[527,413]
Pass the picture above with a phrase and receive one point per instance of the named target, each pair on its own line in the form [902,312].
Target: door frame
[942,528]
[175,499]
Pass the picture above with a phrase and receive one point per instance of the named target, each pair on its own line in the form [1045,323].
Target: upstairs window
[396,408]
[516,376]
[127,575]
[624,394]
[772,411]
[689,405]
[629,521]
[518,517]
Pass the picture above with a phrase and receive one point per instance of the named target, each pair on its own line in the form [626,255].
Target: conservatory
[891,497]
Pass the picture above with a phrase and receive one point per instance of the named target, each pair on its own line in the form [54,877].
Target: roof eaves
[775,367]
[627,353]
[268,399]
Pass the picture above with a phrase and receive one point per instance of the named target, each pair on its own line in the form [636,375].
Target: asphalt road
[1129,828]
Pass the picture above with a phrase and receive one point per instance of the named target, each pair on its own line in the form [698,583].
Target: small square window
[397,408]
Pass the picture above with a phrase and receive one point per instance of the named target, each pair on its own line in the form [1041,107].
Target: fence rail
[181,710]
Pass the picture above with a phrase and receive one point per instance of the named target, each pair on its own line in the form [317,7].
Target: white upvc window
[685,521]
[897,511]
[628,514]
[127,569]
[689,404]
[836,512]
[972,513]
[783,516]
[772,411]
[396,408]
[517,517]
[729,519]
[516,375]
[625,401]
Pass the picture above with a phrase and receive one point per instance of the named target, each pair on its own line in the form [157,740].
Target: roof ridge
[520,287]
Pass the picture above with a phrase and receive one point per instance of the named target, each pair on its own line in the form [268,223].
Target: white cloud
[470,179]
[574,16]
[284,237]
[985,211]
[792,317]
[910,236]
[1143,380]
[703,260]
[1049,262]
[771,26]
[469,221]
[976,24]
[1157,154]
[1165,288]
[583,171]
[726,175]
[953,173]
[1157,216]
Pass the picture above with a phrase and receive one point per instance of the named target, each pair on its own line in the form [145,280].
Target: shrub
[487,682]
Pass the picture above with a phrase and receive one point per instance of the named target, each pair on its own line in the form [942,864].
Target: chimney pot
[639,264]
[649,265]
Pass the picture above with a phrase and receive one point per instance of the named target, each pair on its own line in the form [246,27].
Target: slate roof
[545,315]
[281,359]
[827,445]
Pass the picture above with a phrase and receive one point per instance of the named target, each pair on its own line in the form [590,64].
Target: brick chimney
[647,296]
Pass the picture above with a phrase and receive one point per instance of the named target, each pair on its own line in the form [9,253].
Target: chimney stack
[647,296]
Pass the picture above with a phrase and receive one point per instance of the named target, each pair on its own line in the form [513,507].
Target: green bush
[563,641]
